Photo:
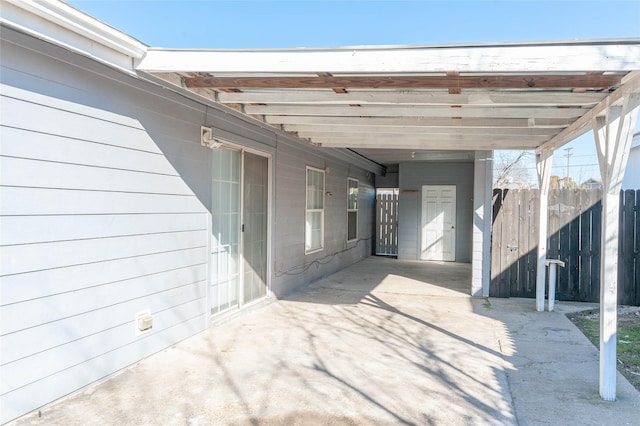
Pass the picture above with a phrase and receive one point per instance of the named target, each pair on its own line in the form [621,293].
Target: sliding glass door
[239,228]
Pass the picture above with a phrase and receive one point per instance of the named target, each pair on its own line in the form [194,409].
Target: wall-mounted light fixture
[207,139]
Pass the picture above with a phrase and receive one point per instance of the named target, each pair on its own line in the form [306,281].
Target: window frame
[353,210]
[307,234]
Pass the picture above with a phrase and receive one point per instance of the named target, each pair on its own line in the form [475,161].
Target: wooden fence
[574,236]
[387,223]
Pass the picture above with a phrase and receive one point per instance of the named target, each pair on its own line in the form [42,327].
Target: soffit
[390,102]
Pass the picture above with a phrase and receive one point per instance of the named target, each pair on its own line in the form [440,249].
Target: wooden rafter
[581,125]
[454,90]
[381,97]
[427,122]
[411,82]
[311,130]
[383,140]
[335,89]
[415,111]
[437,145]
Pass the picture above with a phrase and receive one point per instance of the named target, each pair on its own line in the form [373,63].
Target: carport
[414,103]
[382,342]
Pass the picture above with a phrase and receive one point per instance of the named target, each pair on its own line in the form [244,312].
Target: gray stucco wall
[411,178]
[105,212]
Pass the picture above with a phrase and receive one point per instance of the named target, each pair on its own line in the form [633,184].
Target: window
[314,222]
[352,209]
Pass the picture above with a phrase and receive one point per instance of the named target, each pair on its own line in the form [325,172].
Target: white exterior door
[438,222]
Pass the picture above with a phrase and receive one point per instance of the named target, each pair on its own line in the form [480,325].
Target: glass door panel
[226,219]
[254,237]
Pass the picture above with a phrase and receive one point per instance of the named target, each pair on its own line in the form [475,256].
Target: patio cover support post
[613,133]
[482,185]
[544,160]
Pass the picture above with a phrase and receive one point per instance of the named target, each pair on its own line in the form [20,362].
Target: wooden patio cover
[377,100]
[455,97]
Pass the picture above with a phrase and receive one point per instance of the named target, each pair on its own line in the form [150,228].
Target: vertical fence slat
[510,209]
[574,246]
[534,209]
[627,233]
[497,276]
[523,240]
[596,246]
[566,211]
[584,275]
[636,254]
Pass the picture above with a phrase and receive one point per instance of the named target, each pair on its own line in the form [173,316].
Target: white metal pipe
[552,286]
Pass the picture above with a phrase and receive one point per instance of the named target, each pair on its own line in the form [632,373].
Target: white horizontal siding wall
[103,190]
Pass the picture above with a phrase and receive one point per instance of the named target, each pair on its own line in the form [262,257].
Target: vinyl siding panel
[45,201]
[21,258]
[46,147]
[38,229]
[30,115]
[45,283]
[45,174]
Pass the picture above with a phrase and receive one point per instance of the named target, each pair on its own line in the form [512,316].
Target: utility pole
[568,154]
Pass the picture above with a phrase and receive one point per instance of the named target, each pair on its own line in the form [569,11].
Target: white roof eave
[531,58]
[60,24]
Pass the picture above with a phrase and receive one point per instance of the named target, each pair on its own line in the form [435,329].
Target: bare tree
[511,169]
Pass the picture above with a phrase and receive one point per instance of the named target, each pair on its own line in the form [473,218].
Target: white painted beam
[415,111]
[544,161]
[546,57]
[481,123]
[613,133]
[328,97]
[312,130]
[384,140]
[421,145]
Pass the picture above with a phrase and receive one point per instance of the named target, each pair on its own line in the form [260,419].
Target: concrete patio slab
[382,342]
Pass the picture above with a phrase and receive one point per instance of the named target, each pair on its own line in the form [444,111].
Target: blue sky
[331,23]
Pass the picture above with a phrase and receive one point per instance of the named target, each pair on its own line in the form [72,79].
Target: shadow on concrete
[390,357]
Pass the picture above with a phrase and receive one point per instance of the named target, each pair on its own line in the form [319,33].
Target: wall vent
[143,322]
